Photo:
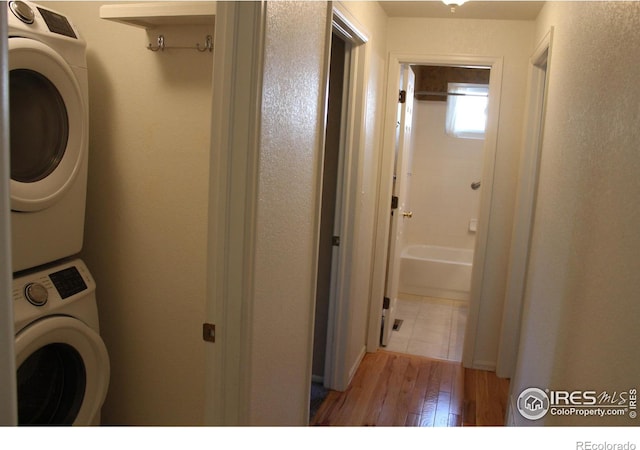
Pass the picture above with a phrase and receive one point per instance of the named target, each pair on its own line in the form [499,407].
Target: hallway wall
[580,322]
[146,217]
[285,245]
[513,40]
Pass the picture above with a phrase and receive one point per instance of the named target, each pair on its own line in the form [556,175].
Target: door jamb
[525,207]
[8,396]
[240,29]
[338,373]
[385,189]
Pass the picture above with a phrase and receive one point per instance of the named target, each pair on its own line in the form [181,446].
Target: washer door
[63,372]
[48,125]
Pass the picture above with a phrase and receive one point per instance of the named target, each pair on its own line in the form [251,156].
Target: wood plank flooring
[393,389]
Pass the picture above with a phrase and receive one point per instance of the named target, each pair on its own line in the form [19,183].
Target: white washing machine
[62,364]
[48,91]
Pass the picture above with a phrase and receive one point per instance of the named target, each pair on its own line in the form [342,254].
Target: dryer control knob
[22,11]
[36,293]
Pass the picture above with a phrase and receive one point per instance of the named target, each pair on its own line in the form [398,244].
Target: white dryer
[48,91]
[62,364]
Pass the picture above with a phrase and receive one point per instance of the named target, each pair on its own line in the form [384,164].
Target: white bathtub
[432,271]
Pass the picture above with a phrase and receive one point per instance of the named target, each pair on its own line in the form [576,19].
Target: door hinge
[209,332]
[394,202]
[402,97]
[386,302]
[335,241]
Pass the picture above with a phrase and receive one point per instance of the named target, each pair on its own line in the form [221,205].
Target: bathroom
[449,116]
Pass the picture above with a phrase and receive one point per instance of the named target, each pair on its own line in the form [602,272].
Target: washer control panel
[68,282]
[64,288]
[56,23]
[59,283]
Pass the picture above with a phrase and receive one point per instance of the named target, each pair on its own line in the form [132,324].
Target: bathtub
[432,271]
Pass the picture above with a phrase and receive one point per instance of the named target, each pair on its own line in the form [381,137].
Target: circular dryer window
[49,125]
[63,372]
[39,126]
[51,385]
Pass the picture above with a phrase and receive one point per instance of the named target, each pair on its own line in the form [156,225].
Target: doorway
[329,239]
[331,193]
[444,185]
[478,224]
[346,97]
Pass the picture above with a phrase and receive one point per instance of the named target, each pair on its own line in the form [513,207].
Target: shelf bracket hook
[160,45]
[207,46]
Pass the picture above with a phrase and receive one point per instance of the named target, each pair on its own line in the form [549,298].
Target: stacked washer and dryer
[62,364]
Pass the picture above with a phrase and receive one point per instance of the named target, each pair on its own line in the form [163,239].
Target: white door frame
[237,83]
[338,370]
[525,208]
[8,395]
[385,189]
[236,393]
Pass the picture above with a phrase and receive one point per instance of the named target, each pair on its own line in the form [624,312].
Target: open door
[400,203]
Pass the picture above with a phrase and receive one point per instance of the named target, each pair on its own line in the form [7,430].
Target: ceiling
[498,10]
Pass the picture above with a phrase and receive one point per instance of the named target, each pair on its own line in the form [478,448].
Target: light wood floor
[393,389]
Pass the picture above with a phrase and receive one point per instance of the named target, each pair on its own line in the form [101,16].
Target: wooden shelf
[154,14]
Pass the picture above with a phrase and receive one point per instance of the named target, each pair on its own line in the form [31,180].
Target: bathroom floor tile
[430,350]
[397,344]
[436,309]
[427,332]
[431,327]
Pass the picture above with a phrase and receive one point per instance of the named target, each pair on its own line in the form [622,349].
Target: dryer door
[48,125]
[63,373]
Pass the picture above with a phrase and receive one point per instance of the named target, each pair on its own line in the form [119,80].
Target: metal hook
[207,46]
[160,45]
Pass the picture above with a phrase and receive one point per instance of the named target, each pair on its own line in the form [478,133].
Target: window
[467,110]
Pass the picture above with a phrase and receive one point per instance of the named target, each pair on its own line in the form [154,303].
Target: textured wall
[580,325]
[146,214]
[287,222]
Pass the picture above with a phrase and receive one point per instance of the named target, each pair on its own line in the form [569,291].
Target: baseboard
[483,365]
[355,366]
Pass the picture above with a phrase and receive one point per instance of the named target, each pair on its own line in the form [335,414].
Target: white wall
[440,194]
[512,40]
[145,236]
[580,322]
